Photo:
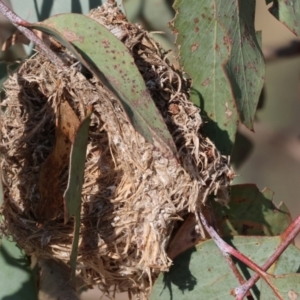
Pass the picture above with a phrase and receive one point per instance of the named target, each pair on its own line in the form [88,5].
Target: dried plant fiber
[132,196]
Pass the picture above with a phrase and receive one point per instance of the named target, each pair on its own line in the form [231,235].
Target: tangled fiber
[132,195]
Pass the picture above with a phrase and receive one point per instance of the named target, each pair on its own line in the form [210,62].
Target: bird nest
[132,195]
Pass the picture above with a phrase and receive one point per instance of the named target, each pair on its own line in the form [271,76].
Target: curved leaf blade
[111,62]
[220,50]
[1,192]
[72,195]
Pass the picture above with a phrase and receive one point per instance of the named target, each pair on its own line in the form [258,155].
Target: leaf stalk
[22,26]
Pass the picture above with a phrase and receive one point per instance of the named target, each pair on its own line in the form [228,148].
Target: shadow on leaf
[211,128]
[27,290]
[251,212]
[180,274]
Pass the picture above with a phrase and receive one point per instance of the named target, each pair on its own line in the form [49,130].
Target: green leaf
[72,194]
[16,278]
[202,272]
[288,13]
[221,52]
[251,212]
[286,286]
[111,62]
[1,192]
[35,11]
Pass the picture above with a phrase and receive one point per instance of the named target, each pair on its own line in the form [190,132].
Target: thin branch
[226,249]
[20,24]
[220,243]
[287,238]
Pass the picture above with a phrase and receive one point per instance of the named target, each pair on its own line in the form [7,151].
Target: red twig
[234,268]
[226,249]
[287,238]
[20,24]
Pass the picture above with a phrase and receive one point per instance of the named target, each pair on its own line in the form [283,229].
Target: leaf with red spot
[111,62]
[221,52]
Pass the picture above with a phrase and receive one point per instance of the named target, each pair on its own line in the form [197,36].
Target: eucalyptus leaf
[111,62]
[288,13]
[1,192]
[251,212]
[72,194]
[221,52]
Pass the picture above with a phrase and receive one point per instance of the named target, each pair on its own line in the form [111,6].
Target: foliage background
[274,160]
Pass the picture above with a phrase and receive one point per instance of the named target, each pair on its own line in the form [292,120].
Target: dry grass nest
[132,196]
